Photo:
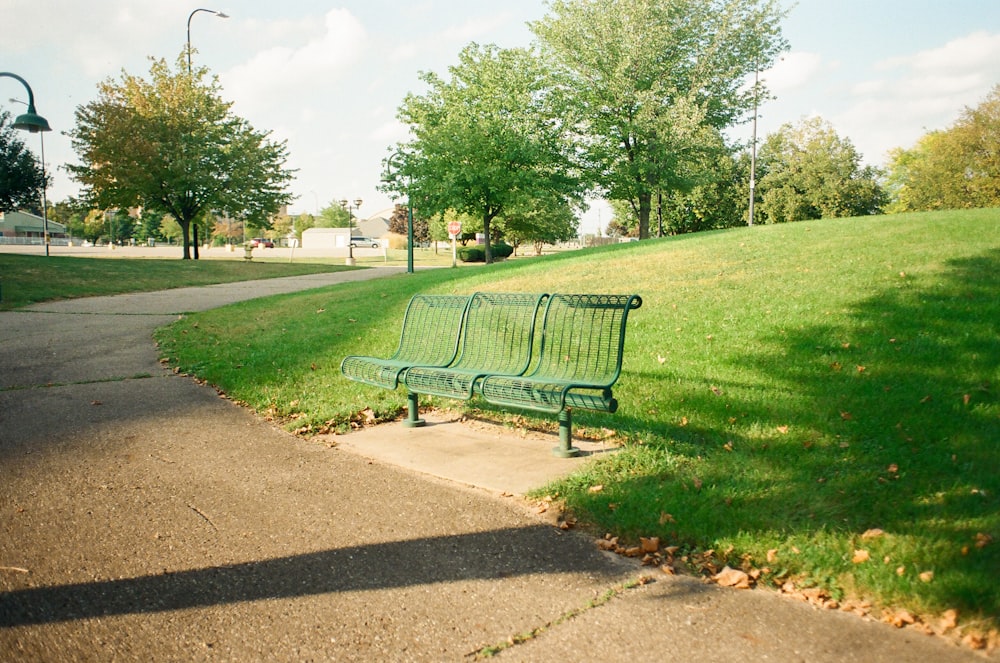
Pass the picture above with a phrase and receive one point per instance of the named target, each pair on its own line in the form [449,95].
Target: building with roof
[25,228]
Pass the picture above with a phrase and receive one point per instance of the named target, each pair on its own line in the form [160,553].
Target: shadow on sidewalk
[490,555]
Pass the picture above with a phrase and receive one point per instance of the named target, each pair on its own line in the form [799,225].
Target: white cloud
[795,70]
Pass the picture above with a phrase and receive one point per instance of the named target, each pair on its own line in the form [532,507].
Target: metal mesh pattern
[430,336]
[496,339]
[583,337]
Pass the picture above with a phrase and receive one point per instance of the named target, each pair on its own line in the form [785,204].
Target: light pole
[346,204]
[190,16]
[36,124]
[753,144]
[409,213]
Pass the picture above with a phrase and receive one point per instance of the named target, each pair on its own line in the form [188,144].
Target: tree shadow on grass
[889,418]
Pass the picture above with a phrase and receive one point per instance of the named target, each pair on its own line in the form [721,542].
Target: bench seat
[497,336]
[430,336]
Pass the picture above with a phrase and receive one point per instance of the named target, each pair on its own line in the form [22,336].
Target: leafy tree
[952,169]
[485,140]
[333,216]
[21,177]
[654,82]
[399,223]
[170,144]
[539,222]
[809,172]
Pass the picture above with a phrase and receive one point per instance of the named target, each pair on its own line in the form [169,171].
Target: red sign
[454,227]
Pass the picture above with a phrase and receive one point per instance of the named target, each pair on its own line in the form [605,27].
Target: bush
[472,254]
[477,253]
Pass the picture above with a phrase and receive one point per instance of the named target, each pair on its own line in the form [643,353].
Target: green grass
[27,279]
[785,388]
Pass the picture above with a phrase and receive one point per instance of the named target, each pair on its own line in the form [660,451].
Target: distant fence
[33,241]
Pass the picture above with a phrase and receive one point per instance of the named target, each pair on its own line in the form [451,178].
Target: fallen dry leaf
[596,489]
[650,544]
[983,540]
[927,576]
[772,555]
[666,518]
[901,618]
[872,533]
[783,430]
[948,621]
[860,556]
[974,641]
[729,577]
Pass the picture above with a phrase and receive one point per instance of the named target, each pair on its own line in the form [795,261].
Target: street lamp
[190,16]
[753,143]
[36,124]
[409,213]
[350,227]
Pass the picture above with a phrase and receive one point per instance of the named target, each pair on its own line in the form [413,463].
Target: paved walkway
[143,518]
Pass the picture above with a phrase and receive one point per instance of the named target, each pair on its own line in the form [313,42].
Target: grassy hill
[819,402]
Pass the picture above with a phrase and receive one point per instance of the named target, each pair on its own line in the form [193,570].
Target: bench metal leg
[413,420]
[565,448]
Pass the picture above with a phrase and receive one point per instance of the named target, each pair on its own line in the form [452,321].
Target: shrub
[477,253]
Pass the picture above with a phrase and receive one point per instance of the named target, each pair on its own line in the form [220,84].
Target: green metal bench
[580,358]
[431,328]
[457,347]
[497,336]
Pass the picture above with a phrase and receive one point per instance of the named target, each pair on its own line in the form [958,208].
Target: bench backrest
[498,332]
[583,338]
[431,329]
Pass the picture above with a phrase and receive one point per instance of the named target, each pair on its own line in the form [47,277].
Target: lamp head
[357,203]
[31,121]
[343,203]
[222,15]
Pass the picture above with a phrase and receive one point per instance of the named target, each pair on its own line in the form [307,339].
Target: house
[25,228]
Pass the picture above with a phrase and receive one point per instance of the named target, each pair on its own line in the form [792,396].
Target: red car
[262,241]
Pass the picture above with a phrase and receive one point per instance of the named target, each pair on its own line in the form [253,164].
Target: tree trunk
[486,231]
[194,233]
[645,205]
[185,238]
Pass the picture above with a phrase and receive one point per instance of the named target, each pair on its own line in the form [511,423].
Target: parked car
[262,241]
[364,241]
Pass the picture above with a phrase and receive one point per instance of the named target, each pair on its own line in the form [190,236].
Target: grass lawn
[818,401]
[26,279]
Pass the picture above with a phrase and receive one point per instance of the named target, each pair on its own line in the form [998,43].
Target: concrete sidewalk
[145,518]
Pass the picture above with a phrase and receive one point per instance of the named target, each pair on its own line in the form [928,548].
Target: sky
[328,77]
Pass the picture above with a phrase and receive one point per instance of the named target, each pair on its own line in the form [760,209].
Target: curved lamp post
[190,16]
[36,124]
[391,162]
[350,227]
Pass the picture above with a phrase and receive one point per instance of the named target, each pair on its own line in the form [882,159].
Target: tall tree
[21,176]
[655,81]
[170,144]
[486,139]
[809,172]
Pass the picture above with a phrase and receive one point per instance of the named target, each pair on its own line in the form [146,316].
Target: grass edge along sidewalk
[29,279]
[815,403]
